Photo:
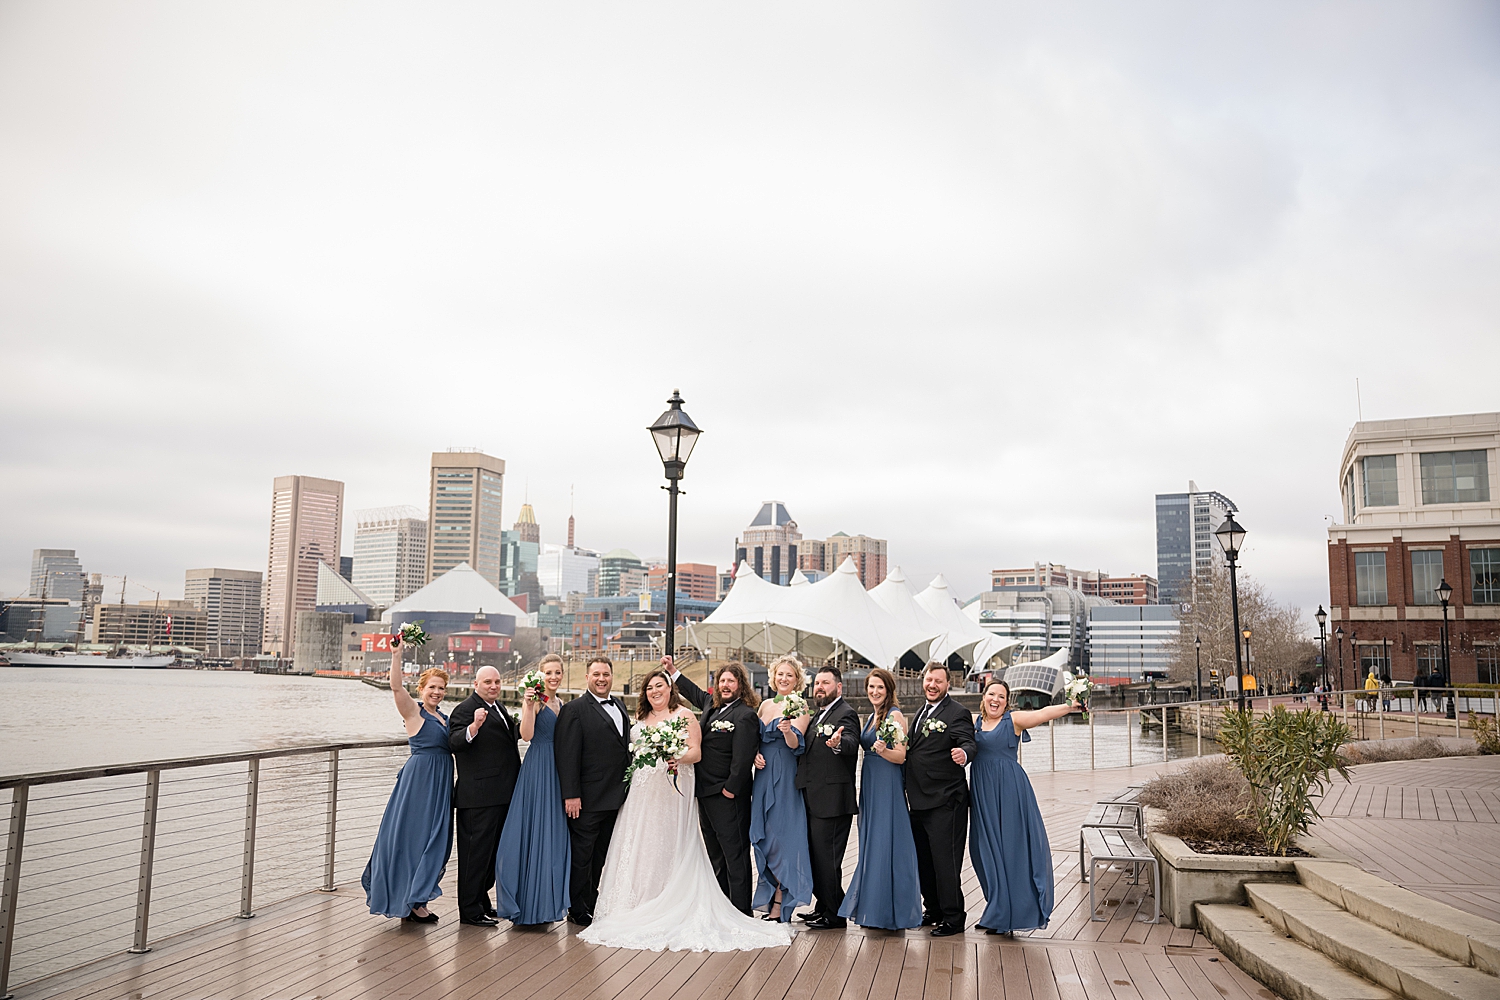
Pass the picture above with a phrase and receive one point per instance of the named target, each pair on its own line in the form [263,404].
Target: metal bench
[1106,845]
[1109,815]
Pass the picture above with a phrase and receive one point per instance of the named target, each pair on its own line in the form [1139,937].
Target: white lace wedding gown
[658,890]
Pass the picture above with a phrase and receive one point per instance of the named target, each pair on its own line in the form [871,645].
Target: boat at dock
[133,661]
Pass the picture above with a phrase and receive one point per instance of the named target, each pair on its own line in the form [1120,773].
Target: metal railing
[100,860]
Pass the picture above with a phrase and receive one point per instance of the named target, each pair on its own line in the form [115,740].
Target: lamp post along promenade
[1445,594]
[675,434]
[1231,536]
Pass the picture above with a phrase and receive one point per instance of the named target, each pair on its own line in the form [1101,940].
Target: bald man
[483,738]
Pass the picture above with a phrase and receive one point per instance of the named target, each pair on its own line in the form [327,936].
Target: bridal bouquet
[412,635]
[1078,689]
[890,734]
[654,744]
[793,705]
[536,682]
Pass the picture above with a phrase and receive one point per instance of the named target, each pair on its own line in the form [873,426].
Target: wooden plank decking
[326,947]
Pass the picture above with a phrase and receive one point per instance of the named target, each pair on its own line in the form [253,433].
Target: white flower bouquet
[793,705]
[722,726]
[536,682]
[1078,689]
[653,745]
[889,733]
[412,635]
[933,726]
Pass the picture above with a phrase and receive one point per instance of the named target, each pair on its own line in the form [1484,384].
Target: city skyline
[1204,224]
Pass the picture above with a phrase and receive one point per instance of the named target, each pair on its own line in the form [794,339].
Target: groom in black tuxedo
[723,777]
[825,774]
[482,736]
[592,749]
[942,742]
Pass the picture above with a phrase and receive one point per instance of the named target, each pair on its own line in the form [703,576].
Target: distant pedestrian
[411,849]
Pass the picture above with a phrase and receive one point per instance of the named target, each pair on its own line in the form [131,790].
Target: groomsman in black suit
[592,749]
[942,742]
[825,774]
[482,736]
[723,778]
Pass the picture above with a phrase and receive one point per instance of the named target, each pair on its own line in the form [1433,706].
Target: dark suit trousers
[590,834]
[826,842]
[726,834]
[940,835]
[478,840]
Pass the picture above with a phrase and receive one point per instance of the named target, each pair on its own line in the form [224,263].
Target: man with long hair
[731,737]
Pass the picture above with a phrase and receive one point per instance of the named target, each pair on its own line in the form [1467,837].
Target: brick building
[1420,508]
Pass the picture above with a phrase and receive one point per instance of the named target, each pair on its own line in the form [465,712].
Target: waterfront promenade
[324,946]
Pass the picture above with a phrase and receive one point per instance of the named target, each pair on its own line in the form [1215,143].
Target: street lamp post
[675,434]
[1231,536]
[1338,634]
[1249,663]
[1198,656]
[1322,619]
[1445,594]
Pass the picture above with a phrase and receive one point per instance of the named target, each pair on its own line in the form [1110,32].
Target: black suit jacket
[591,755]
[932,779]
[826,777]
[487,767]
[728,755]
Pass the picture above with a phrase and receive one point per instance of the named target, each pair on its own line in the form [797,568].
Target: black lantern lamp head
[1197,642]
[675,434]
[1444,592]
[1321,616]
[1338,632]
[1231,536]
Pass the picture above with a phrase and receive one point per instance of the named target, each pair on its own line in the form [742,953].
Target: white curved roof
[460,590]
[961,635]
[896,597]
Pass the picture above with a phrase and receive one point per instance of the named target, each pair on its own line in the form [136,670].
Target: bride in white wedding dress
[658,890]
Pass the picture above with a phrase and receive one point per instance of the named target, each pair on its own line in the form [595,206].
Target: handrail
[115,770]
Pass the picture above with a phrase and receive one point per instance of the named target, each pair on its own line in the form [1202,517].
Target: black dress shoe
[480,921]
[809,916]
[826,924]
[1007,934]
[579,919]
[412,918]
[928,920]
[946,930]
[492,912]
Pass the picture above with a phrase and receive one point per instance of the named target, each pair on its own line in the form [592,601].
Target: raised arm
[529,707]
[691,692]
[405,704]
[1041,716]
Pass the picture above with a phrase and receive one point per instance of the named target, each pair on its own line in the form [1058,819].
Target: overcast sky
[977,278]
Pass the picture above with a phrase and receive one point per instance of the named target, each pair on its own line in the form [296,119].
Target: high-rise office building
[465,513]
[618,570]
[770,543]
[1186,550]
[307,517]
[869,555]
[56,573]
[526,527]
[231,605]
[565,569]
[390,552]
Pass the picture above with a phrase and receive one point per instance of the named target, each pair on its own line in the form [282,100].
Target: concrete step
[1294,971]
[1404,967]
[1449,931]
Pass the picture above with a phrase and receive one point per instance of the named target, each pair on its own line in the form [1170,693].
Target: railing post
[1344,706]
[138,944]
[1091,738]
[1052,735]
[1164,734]
[330,824]
[1380,717]
[1416,720]
[1199,726]
[1129,742]
[12,884]
[247,869]
[1453,693]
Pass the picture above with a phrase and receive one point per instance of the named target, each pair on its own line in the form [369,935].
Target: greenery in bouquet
[536,683]
[656,744]
[793,705]
[412,635]
[889,733]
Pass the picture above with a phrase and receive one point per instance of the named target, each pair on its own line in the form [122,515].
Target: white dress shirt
[490,707]
[612,710]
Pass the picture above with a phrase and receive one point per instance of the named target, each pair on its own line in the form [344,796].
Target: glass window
[1380,481]
[1484,575]
[1369,578]
[1455,477]
[1349,504]
[1372,657]
[1426,574]
[1429,659]
[1487,659]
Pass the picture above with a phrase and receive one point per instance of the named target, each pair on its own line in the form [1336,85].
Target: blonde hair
[797,672]
[431,672]
[549,658]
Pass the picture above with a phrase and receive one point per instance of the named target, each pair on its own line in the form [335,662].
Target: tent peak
[848,567]
[896,575]
[939,582]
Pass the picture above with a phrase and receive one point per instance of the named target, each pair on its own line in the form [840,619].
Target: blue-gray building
[1186,550]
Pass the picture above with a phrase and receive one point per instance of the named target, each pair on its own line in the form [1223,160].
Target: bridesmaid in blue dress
[885,891]
[416,832]
[778,816]
[532,864]
[1007,839]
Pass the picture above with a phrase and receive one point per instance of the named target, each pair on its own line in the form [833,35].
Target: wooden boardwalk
[1432,826]
[327,947]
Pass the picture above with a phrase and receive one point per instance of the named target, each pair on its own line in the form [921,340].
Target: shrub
[1377,751]
[1486,733]
[1207,800]
[1285,757]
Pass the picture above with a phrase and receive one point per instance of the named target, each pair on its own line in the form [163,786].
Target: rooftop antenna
[1358,402]
[570,515]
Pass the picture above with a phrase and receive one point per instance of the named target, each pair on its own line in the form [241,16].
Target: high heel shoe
[412,918]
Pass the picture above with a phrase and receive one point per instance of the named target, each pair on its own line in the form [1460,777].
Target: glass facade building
[390,553]
[1186,550]
[307,517]
[464,505]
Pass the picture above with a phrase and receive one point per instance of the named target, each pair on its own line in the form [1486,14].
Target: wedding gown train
[658,890]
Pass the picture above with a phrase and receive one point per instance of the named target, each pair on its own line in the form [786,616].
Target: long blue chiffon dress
[778,825]
[416,832]
[535,854]
[1007,839]
[885,891]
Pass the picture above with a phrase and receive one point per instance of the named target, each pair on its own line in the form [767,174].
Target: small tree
[1286,757]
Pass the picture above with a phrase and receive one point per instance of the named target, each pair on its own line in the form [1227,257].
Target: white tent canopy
[811,618]
[961,635]
[896,597]
[460,590]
